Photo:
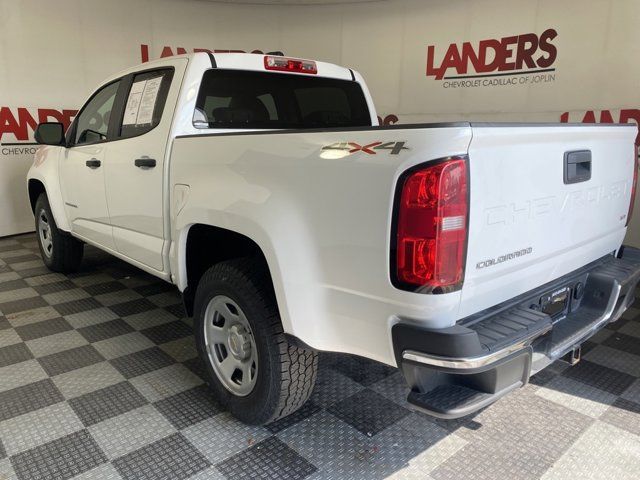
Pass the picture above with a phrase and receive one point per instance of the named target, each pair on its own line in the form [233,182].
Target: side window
[145,102]
[92,123]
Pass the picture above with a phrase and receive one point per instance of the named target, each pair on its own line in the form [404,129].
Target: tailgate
[527,225]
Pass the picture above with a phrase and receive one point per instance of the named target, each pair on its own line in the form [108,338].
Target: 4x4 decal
[371,149]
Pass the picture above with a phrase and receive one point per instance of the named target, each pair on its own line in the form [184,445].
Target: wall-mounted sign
[514,60]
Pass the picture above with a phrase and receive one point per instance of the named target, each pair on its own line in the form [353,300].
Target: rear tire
[60,251]
[236,321]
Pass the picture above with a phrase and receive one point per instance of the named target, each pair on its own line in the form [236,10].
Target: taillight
[634,185]
[285,64]
[431,234]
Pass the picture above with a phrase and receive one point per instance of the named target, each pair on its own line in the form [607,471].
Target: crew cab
[469,255]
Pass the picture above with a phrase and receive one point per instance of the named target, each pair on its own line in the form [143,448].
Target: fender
[45,170]
[291,287]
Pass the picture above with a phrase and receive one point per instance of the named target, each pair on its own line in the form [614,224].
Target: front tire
[251,368]
[60,251]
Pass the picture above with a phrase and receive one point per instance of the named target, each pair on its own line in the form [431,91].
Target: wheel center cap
[239,343]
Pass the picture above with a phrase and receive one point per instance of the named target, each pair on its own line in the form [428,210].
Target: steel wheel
[44,231]
[230,345]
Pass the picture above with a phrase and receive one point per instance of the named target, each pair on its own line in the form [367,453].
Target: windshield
[256,100]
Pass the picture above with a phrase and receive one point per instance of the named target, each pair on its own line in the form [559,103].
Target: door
[82,169]
[135,166]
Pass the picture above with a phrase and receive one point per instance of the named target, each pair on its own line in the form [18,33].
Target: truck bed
[321,203]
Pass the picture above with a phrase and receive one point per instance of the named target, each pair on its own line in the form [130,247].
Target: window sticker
[148,102]
[133,103]
[142,102]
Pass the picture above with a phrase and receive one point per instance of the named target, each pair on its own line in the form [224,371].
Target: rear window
[256,100]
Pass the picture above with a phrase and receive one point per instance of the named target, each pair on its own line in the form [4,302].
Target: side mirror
[50,133]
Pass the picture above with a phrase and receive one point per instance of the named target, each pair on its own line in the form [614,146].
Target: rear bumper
[458,370]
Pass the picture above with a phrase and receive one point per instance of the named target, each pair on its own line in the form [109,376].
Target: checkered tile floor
[99,379]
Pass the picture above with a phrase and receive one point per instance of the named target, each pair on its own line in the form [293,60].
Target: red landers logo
[628,115]
[168,52]
[525,53]
[18,124]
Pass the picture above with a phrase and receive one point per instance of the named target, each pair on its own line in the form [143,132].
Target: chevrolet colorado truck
[469,255]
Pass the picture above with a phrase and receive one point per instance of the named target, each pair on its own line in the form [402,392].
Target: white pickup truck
[469,255]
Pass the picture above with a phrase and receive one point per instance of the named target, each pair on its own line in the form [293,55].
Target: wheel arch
[203,246]
[35,187]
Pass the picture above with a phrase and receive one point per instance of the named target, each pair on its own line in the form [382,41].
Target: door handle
[145,162]
[93,163]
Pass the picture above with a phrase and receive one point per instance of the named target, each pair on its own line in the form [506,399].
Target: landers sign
[167,51]
[625,115]
[18,124]
[515,60]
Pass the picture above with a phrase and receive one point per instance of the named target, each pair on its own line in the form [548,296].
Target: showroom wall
[425,60]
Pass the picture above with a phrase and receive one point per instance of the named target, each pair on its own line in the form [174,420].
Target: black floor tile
[268,459]
[172,458]
[103,288]
[368,412]
[34,272]
[77,306]
[588,346]
[133,307]
[197,366]
[60,459]
[177,310]
[361,370]
[43,329]
[102,331]
[29,257]
[120,270]
[22,305]
[154,289]
[597,376]
[617,325]
[543,377]
[28,398]
[14,354]
[167,332]
[626,343]
[69,360]
[189,407]
[306,411]
[13,285]
[142,362]
[10,247]
[54,287]
[106,403]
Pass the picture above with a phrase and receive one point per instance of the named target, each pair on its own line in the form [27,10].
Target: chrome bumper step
[497,350]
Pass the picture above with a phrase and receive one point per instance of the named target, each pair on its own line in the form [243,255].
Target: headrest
[253,104]
[232,115]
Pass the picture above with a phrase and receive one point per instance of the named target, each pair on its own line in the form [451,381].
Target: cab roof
[242,61]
